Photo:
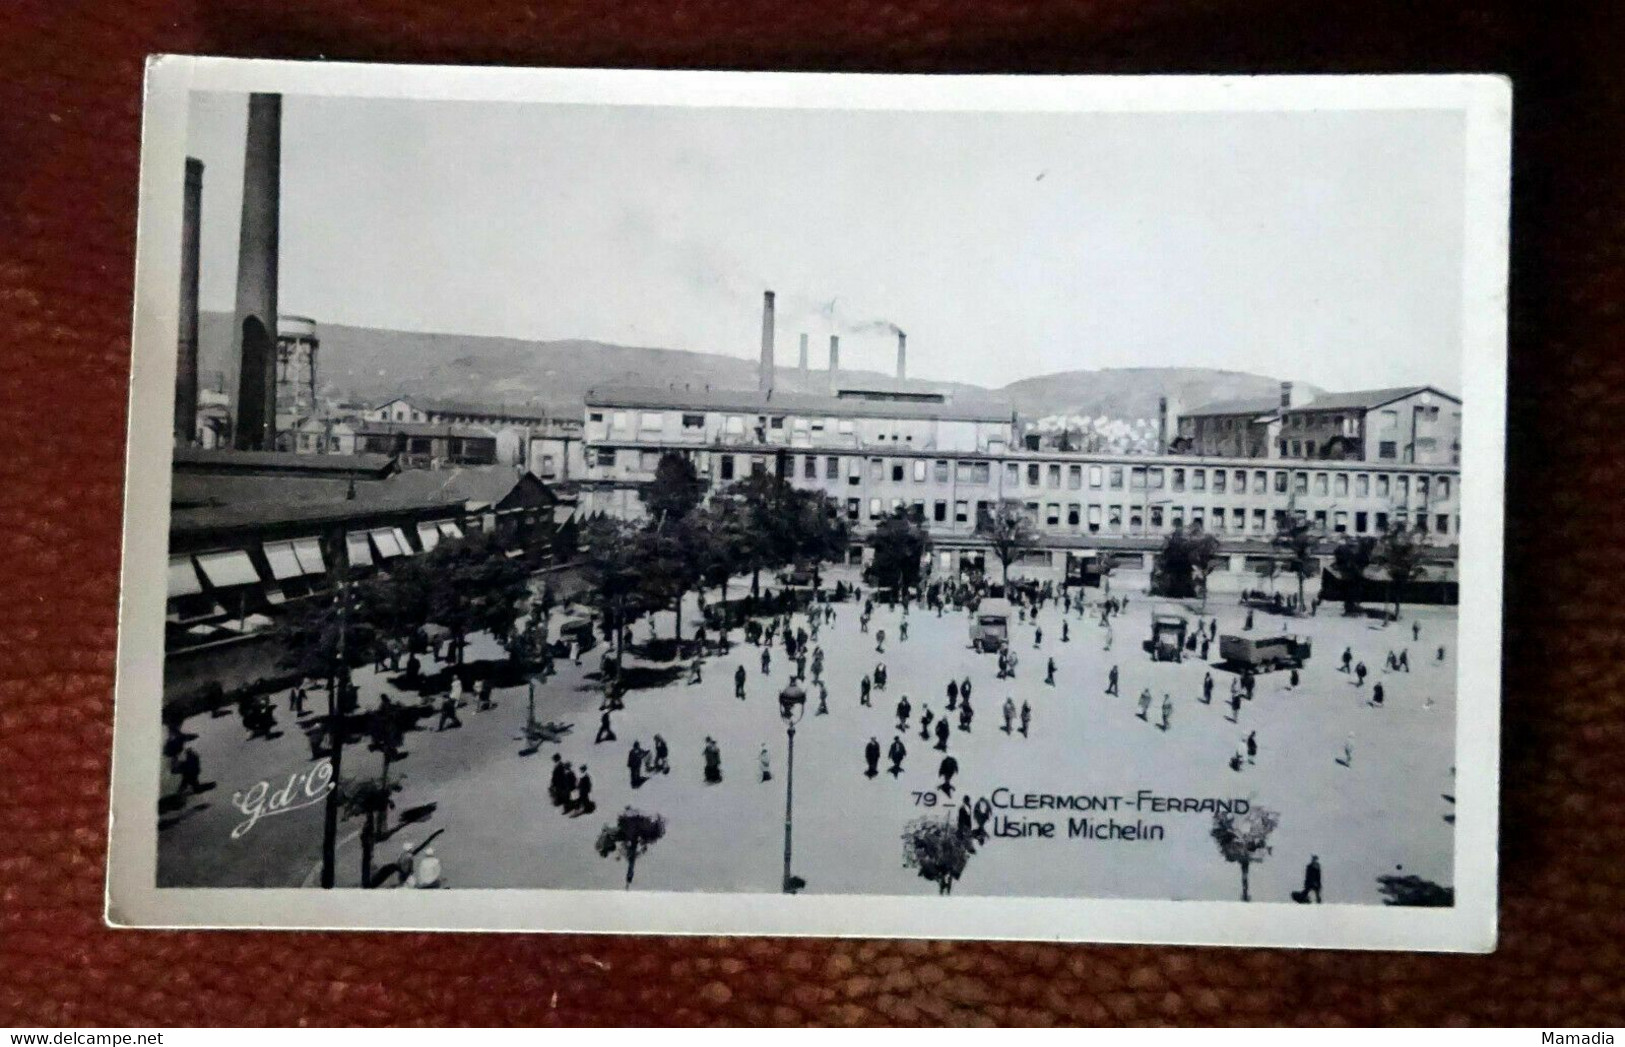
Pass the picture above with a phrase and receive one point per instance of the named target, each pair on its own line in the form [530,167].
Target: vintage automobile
[1167,642]
[990,624]
[1264,653]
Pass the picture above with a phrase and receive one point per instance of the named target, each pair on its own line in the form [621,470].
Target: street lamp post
[792,704]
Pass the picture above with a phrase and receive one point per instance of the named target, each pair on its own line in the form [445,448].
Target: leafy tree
[324,635]
[371,800]
[672,557]
[936,851]
[631,834]
[817,531]
[1009,530]
[761,542]
[1349,561]
[1185,561]
[1399,554]
[1296,539]
[475,587]
[612,564]
[1244,839]
[676,489]
[1411,889]
[526,643]
[899,543]
[1268,570]
[1203,554]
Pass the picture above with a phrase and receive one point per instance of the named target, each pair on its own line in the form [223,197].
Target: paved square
[1391,806]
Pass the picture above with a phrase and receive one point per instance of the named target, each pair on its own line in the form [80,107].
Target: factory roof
[753,401]
[1249,405]
[466,432]
[222,460]
[1367,399]
[254,501]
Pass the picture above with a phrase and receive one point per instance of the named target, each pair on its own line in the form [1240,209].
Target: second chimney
[902,356]
[764,377]
[803,360]
[834,359]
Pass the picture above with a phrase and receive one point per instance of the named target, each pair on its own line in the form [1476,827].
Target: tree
[1009,530]
[1244,839]
[1204,557]
[899,543]
[671,560]
[1268,570]
[935,850]
[817,532]
[371,800]
[475,587]
[676,489]
[1349,561]
[1186,559]
[631,834]
[1296,538]
[761,543]
[612,566]
[1399,554]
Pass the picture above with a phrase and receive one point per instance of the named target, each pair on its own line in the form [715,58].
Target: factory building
[874,451]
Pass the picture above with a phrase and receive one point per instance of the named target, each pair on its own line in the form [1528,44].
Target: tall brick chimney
[834,359]
[186,334]
[255,329]
[902,355]
[764,376]
[802,363]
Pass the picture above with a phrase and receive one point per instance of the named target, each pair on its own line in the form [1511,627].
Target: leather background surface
[70,79]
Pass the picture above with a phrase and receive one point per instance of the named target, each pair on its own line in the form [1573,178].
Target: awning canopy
[384,539]
[428,536]
[309,552]
[356,547]
[400,539]
[284,562]
[183,579]
[449,529]
[228,568]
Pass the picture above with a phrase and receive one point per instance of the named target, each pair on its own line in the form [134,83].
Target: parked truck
[990,624]
[1264,653]
[1167,642]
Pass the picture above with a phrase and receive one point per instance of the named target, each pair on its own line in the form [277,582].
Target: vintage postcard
[996,507]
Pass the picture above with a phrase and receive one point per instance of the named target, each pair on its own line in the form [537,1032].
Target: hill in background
[371,364]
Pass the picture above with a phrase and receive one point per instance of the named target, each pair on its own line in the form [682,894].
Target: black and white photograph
[765,503]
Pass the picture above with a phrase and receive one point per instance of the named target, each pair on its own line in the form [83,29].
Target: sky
[1323,247]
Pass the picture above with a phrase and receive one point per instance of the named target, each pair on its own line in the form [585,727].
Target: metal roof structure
[750,401]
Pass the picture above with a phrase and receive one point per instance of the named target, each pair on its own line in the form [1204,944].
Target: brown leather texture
[70,108]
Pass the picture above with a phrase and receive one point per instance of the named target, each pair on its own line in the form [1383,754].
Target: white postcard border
[133,899]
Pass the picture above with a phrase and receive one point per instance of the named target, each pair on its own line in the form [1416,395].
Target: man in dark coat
[942,734]
[1311,878]
[946,770]
[896,754]
[583,800]
[871,756]
[634,763]
[903,711]
[739,683]
[1111,681]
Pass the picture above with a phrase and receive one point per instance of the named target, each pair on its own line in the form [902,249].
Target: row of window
[1179,479]
[1135,519]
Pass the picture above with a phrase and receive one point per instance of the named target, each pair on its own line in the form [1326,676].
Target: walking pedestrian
[767,660]
[871,757]
[1359,674]
[1311,879]
[953,695]
[739,682]
[1049,676]
[1207,688]
[896,754]
[1066,633]
[426,870]
[1235,706]
[962,824]
[965,714]
[763,760]
[190,768]
[903,711]
[713,761]
[1111,681]
[1377,695]
[964,689]
[1416,632]
[983,811]
[1167,711]
[1026,718]
[864,690]
[880,641]
[926,716]
[448,714]
[823,700]
[1348,659]
[583,799]
[1145,705]
[943,731]
[1249,626]
[1252,746]
[946,771]
[902,628]
[1009,715]
[606,733]
[1038,637]
[1348,751]
[662,762]
[634,763]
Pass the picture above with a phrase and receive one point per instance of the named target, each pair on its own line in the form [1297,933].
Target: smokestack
[1286,394]
[186,340]
[902,356]
[1162,425]
[834,359]
[804,351]
[255,330]
[764,377]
